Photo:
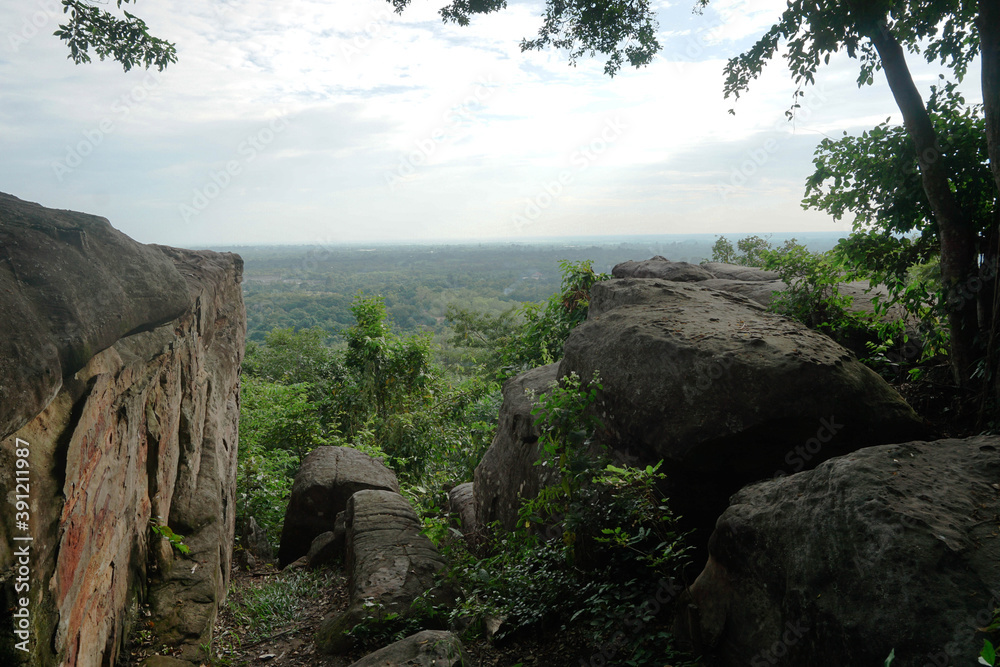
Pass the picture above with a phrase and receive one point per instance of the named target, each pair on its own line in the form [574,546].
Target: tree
[125,40]
[876,33]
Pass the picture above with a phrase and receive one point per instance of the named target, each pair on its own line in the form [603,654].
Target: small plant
[163,530]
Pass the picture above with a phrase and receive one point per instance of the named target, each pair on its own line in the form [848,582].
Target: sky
[324,122]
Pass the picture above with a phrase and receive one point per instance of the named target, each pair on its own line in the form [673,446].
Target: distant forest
[308,286]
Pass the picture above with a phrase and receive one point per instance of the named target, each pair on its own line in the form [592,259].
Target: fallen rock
[507,472]
[255,541]
[328,477]
[661,267]
[430,648]
[462,505]
[326,548]
[888,548]
[389,563]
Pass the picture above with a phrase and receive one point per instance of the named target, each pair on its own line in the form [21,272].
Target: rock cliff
[119,406]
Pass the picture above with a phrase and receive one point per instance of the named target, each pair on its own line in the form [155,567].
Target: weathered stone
[326,548]
[462,505]
[760,291]
[661,267]
[737,272]
[888,548]
[430,648]
[143,425]
[390,563]
[724,392]
[255,541]
[507,472]
[71,286]
[328,477]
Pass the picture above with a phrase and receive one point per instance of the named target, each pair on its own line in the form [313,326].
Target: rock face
[119,368]
[388,562]
[507,471]
[430,648]
[462,505]
[724,392]
[661,267]
[889,548]
[328,477]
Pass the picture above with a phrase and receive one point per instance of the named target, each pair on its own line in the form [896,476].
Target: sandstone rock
[389,564]
[255,541]
[327,478]
[760,291]
[326,548]
[142,425]
[723,391]
[888,548]
[507,471]
[737,272]
[661,267]
[462,505]
[430,648]
[71,286]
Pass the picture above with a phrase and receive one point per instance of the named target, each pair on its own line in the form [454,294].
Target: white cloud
[466,129]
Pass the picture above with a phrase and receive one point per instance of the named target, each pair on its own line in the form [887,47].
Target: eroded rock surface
[430,648]
[889,548]
[327,478]
[127,391]
[390,563]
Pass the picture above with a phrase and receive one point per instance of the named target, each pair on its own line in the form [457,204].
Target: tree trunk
[988,23]
[956,236]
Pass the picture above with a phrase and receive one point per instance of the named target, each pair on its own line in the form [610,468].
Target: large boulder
[723,391]
[327,478]
[661,267]
[430,648]
[119,367]
[507,472]
[462,505]
[725,271]
[390,563]
[889,548]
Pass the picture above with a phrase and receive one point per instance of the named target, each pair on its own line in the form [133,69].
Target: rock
[507,471]
[889,548]
[430,648]
[724,392]
[390,563]
[737,272]
[127,421]
[327,478]
[326,548]
[462,505]
[661,267]
[760,291]
[71,286]
[255,541]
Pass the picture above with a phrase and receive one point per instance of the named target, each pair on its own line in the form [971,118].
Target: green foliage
[126,40]
[623,32]
[266,607]
[750,251]
[587,552]
[163,530]
[534,335]
[988,656]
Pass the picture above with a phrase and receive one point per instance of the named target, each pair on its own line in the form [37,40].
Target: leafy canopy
[126,40]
